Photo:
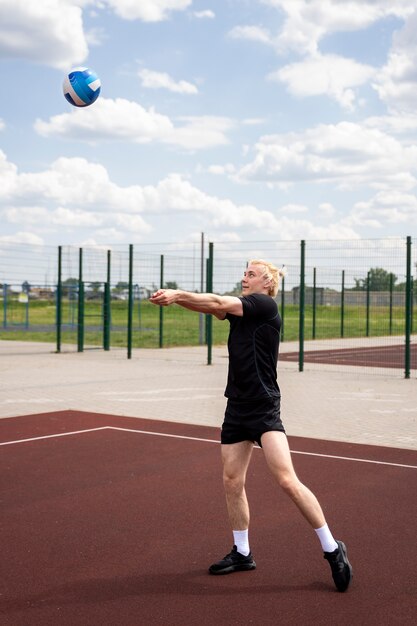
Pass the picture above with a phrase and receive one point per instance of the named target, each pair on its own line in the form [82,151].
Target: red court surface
[372,356]
[113,521]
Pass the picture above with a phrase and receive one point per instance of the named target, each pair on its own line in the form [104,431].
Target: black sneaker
[233,562]
[341,568]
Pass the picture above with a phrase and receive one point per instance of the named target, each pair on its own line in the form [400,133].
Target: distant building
[41,293]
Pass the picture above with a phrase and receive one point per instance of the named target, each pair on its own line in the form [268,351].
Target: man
[253,412]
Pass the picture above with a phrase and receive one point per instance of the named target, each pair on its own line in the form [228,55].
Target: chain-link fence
[343,303]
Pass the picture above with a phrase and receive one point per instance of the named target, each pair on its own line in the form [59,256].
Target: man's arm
[218,306]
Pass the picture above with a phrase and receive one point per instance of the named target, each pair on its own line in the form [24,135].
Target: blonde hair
[271,273]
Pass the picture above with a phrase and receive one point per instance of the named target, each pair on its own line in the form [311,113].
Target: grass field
[182,327]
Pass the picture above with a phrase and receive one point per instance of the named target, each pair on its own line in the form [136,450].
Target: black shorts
[249,420]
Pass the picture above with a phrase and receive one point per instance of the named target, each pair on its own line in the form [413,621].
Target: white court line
[74,432]
[351,458]
[156,434]
[149,432]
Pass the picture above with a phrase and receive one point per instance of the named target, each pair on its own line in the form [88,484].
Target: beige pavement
[176,385]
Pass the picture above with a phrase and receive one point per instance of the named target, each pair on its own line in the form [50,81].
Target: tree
[237,289]
[120,287]
[377,279]
[95,287]
[69,288]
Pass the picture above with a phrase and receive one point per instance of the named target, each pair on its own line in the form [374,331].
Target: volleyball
[81,87]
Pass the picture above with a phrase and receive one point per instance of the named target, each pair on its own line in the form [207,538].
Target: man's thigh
[277,452]
[236,458]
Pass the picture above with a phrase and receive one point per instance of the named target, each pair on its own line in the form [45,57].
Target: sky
[241,119]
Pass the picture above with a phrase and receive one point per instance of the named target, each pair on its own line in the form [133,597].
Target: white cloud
[228,237]
[8,173]
[95,201]
[329,75]
[327,210]
[386,207]
[52,33]
[219,170]
[55,187]
[284,227]
[396,83]
[198,133]
[108,119]
[293,208]
[124,120]
[346,154]
[308,21]
[94,204]
[161,80]
[291,229]
[252,33]
[253,121]
[75,218]
[44,32]
[205,14]
[399,124]
[95,36]
[131,223]
[147,10]
[22,237]
[25,215]
[104,235]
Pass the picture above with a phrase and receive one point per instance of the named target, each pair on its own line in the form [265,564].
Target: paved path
[177,385]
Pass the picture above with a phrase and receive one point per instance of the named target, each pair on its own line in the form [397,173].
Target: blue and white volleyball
[81,87]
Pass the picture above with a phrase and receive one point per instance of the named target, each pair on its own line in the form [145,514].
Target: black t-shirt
[253,349]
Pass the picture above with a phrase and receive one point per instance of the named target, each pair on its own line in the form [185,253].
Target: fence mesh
[354,301]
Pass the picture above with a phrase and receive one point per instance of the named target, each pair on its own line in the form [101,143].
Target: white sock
[326,539]
[241,541]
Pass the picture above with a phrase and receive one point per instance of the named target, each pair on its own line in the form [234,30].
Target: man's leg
[278,457]
[236,458]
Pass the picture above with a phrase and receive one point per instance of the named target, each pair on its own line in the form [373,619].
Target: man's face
[254,280]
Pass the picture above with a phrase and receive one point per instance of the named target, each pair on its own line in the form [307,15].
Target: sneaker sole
[234,568]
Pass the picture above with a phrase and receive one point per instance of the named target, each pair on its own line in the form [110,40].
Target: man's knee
[289,483]
[233,483]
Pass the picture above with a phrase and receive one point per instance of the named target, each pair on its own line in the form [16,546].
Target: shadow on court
[111,525]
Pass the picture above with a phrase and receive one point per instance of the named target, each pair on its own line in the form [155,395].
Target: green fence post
[107,305]
[408,293]
[302,309]
[106,317]
[391,290]
[80,327]
[282,307]
[314,302]
[161,308]
[201,315]
[27,311]
[5,305]
[130,304]
[342,306]
[209,318]
[59,302]
[368,301]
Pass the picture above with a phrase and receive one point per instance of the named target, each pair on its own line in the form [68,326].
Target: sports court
[372,356]
[113,503]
